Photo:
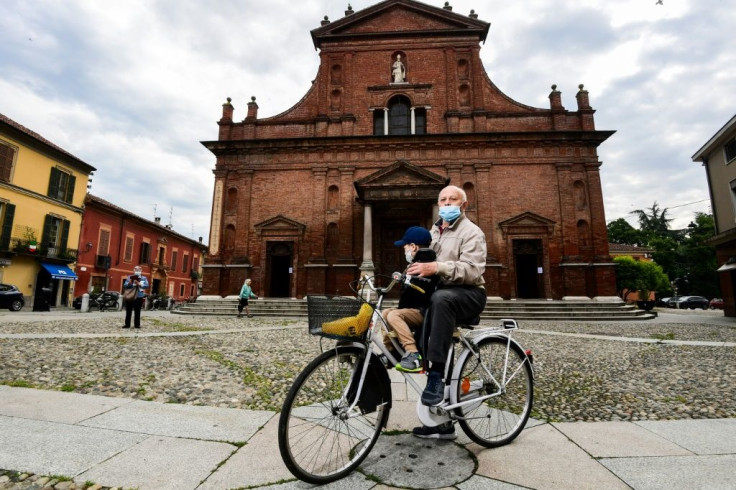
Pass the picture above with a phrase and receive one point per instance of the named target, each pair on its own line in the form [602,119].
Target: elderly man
[461,260]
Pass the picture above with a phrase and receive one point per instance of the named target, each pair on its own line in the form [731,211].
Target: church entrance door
[528,260]
[390,221]
[279,268]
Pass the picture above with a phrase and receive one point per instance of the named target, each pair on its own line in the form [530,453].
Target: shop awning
[59,271]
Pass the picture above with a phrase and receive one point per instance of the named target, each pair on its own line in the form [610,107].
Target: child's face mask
[409,251]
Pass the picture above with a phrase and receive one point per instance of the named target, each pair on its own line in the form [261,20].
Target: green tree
[639,275]
[627,274]
[699,259]
[654,221]
[620,231]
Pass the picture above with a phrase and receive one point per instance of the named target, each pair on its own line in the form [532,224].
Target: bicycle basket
[338,317]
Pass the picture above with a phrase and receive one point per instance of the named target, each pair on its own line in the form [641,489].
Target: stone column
[367,266]
[413,121]
[385,121]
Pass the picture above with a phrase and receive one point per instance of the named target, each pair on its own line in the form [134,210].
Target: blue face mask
[450,213]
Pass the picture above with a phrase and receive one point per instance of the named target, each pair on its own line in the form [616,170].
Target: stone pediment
[401,180]
[527,223]
[280,226]
[395,18]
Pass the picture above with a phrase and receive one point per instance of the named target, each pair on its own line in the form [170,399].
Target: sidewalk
[136,444]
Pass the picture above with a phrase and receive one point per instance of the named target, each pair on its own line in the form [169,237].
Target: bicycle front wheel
[497,420]
[321,440]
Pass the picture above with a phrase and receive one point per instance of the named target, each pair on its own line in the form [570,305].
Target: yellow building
[42,191]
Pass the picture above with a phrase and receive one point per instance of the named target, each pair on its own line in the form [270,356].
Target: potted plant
[644,303]
[30,238]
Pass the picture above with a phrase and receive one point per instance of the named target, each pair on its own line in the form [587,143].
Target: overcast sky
[132,86]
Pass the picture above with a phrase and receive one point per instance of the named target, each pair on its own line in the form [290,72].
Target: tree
[621,232]
[656,223]
[698,259]
[639,275]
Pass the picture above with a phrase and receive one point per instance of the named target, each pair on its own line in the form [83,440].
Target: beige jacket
[461,252]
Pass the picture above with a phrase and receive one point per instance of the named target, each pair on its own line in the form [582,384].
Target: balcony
[24,246]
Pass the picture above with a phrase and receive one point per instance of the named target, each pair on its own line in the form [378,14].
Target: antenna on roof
[171,214]
[154,209]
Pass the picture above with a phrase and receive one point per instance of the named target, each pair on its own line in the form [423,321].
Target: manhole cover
[407,461]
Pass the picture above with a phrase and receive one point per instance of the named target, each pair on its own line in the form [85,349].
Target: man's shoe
[434,392]
[126,326]
[444,431]
[239,315]
[410,363]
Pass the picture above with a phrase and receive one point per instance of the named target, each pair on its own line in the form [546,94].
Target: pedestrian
[245,293]
[413,302]
[134,291]
[460,296]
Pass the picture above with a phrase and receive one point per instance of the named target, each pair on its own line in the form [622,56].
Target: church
[306,201]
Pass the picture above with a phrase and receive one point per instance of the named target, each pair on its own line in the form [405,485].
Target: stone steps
[495,309]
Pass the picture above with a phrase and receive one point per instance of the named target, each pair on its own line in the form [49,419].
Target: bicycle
[338,405]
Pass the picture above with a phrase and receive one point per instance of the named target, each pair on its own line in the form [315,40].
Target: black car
[11,298]
[691,302]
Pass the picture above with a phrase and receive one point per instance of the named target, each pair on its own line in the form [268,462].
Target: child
[412,303]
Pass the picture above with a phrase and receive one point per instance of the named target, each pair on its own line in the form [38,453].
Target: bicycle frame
[377,322]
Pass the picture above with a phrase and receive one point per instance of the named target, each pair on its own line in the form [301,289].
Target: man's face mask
[450,213]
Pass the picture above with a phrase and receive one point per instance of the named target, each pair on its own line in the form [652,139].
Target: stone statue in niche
[398,71]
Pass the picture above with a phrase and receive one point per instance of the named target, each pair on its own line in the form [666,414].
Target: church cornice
[445,140]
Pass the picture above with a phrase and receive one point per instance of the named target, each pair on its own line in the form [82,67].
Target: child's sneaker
[410,363]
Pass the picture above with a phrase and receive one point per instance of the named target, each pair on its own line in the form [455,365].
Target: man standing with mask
[138,281]
[460,296]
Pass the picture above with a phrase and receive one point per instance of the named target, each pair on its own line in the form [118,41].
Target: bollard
[85,303]
[120,302]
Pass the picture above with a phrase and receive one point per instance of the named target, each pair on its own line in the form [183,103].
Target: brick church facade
[307,200]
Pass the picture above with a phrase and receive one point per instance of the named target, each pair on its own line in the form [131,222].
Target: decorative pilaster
[367,266]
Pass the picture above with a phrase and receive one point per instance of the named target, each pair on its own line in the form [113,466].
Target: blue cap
[415,234]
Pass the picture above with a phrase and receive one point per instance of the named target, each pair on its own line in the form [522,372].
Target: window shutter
[7,226]
[54,182]
[64,235]
[69,195]
[46,235]
[6,161]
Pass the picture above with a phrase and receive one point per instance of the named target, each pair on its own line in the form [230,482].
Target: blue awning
[60,271]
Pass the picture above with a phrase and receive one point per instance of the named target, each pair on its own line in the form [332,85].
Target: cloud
[133,86]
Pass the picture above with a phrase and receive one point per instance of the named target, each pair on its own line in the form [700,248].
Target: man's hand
[423,269]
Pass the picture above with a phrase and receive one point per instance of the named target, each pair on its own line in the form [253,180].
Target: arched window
[470,192]
[400,116]
[581,200]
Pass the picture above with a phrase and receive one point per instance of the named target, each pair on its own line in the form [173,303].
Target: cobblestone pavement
[254,363]
[250,363]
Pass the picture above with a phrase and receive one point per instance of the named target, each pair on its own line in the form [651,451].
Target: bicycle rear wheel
[497,420]
[319,440]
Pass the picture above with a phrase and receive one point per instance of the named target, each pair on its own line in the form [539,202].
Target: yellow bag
[350,326]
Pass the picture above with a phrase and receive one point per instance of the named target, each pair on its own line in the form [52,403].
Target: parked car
[663,301]
[11,297]
[716,304]
[672,302]
[691,302]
